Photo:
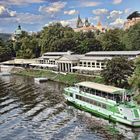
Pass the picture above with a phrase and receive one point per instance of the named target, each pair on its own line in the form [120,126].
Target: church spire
[87,22]
[79,22]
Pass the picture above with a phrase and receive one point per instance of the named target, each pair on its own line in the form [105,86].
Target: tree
[53,33]
[117,71]
[131,38]
[111,42]
[135,79]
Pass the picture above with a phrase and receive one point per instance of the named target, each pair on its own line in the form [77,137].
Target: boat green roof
[101,87]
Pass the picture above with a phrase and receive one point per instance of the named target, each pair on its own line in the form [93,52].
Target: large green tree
[131,38]
[5,52]
[111,41]
[135,79]
[117,71]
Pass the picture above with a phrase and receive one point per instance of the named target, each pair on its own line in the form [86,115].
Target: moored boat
[106,101]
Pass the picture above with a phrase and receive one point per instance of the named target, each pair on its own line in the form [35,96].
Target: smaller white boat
[40,80]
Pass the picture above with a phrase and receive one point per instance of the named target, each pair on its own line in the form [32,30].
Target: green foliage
[5,36]
[135,79]
[5,51]
[27,47]
[66,79]
[131,38]
[111,42]
[117,71]
[56,37]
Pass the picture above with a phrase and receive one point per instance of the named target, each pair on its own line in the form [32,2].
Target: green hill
[5,36]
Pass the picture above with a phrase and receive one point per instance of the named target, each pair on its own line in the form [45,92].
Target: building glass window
[85,64]
[93,64]
[89,64]
[98,65]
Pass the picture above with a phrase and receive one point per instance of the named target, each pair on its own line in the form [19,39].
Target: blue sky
[34,14]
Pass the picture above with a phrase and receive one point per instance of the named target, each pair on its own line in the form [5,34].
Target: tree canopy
[5,51]
[56,37]
[117,71]
[135,79]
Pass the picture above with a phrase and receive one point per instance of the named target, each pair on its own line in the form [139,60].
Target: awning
[102,87]
[44,65]
[86,68]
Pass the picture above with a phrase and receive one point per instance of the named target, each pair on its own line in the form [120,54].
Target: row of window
[92,64]
[93,102]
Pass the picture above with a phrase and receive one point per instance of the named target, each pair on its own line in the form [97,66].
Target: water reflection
[30,111]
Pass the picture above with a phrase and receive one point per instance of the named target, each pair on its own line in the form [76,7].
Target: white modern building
[88,63]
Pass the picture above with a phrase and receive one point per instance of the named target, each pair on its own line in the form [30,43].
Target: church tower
[79,22]
[87,24]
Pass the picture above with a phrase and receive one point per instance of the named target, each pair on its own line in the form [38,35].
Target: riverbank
[69,79]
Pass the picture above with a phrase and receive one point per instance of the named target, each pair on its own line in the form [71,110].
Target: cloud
[5,12]
[19,2]
[28,18]
[114,14]
[53,7]
[89,3]
[117,1]
[69,22]
[118,22]
[127,11]
[71,12]
[64,22]
[100,11]
[23,18]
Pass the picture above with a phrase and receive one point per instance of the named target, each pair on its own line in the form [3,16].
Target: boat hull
[100,114]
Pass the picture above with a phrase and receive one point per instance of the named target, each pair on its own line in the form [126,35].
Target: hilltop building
[17,33]
[86,26]
[132,19]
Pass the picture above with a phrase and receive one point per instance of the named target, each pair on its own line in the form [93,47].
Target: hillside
[5,36]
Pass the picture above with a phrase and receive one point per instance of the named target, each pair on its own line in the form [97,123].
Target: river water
[30,111]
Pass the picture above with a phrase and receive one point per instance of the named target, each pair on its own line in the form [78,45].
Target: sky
[33,15]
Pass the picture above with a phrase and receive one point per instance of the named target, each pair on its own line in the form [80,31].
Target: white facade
[88,63]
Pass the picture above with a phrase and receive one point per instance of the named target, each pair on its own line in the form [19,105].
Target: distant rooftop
[58,53]
[74,57]
[113,53]
[134,15]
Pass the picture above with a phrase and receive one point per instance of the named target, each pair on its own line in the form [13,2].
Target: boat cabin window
[99,93]
[71,94]
[91,101]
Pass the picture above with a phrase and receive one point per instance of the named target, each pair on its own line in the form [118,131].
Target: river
[30,111]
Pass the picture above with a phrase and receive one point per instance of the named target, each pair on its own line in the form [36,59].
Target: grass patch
[67,79]
[36,73]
